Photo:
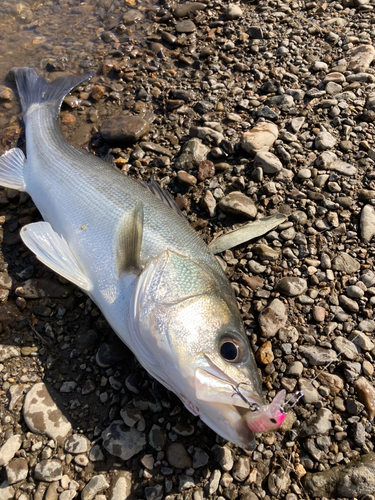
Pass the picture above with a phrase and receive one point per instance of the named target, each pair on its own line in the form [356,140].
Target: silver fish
[154,279]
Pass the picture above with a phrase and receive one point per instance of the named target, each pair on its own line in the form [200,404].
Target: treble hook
[252,406]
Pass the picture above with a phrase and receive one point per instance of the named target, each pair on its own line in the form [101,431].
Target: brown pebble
[319,313]
[97,92]
[186,179]
[182,202]
[264,354]
[68,118]
[206,169]
[366,394]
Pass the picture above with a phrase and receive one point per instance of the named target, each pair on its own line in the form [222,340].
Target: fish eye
[231,348]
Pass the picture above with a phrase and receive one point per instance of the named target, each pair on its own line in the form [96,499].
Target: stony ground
[241,111]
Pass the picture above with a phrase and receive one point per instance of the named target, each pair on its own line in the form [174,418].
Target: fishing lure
[267,417]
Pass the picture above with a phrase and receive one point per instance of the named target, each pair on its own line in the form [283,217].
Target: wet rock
[345,263]
[324,140]
[124,128]
[186,27]
[77,443]
[268,162]
[265,354]
[367,223]
[318,355]
[94,486]
[39,288]
[97,92]
[238,204]
[17,470]
[122,441]
[291,286]
[366,394]
[9,449]
[188,8]
[272,318]
[42,415]
[178,457]
[48,471]
[349,481]
[360,58]
[259,138]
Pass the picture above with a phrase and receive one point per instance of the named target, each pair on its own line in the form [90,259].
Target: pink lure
[267,417]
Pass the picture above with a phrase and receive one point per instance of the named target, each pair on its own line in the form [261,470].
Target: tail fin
[33,89]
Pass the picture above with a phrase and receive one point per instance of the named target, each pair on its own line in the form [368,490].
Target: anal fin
[129,240]
[12,164]
[54,252]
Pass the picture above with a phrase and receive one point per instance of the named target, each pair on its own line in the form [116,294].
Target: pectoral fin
[129,240]
[54,252]
[12,164]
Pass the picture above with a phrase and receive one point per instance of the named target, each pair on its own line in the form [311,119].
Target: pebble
[268,162]
[318,356]
[345,263]
[6,491]
[77,443]
[334,382]
[223,456]
[124,128]
[185,27]
[94,486]
[8,352]
[259,138]
[324,140]
[121,486]
[122,441]
[233,12]
[187,8]
[360,58]
[291,286]
[178,457]
[272,318]
[9,449]
[367,223]
[200,458]
[39,288]
[319,423]
[43,416]
[265,354]
[238,204]
[366,394]
[310,394]
[362,340]
[17,470]
[48,470]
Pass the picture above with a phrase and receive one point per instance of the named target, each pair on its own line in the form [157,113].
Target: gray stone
[233,11]
[223,456]
[185,483]
[39,288]
[213,483]
[238,204]
[131,416]
[318,355]
[206,133]
[157,437]
[362,340]
[269,163]
[94,486]
[360,58]
[291,286]
[8,352]
[9,449]
[241,469]
[122,441]
[345,263]
[124,128]
[319,423]
[259,138]
[367,223]
[6,491]
[178,457]
[186,26]
[343,168]
[187,8]
[200,458]
[121,486]
[77,443]
[42,415]
[96,453]
[48,470]
[345,347]
[17,470]
[310,394]
[348,304]
[324,140]
[272,318]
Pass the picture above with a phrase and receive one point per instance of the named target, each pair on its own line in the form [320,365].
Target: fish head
[191,338]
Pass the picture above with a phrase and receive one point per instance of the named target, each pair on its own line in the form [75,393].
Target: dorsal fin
[163,195]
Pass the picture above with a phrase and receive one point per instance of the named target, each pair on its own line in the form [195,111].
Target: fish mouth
[234,401]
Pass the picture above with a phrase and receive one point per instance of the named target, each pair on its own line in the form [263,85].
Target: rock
[206,133]
[17,470]
[9,449]
[124,128]
[122,441]
[353,480]
[349,304]
[185,27]
[96,454]
[241,469]
[233,11]
[178,457]
[200,458]
[77,443]
[259,138]
[310,394]
[345,263]
[268,162]
[6,491]
[157,437]
[265,354]
[8,352]
[319,314]
[131,416]
[324,140]
[48,470]
[367,223]
[265,252]
[39,288]
[360,58]
[319,423]
[366,394]
[362,340]
[317,355]
[42,415]
[272,318]
[213,483]
[94,486]
[291,286]
[208,202]
[187,8]
[238,204]
[345,347]
[334,382]
[343,168]
[223,456]
[206,170]
[97,92]
[121,486]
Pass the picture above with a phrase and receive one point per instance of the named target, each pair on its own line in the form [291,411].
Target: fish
[128,247]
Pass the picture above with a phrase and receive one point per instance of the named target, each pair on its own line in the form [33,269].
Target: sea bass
[152,276]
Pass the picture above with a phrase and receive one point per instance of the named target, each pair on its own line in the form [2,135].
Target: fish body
[155,280]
